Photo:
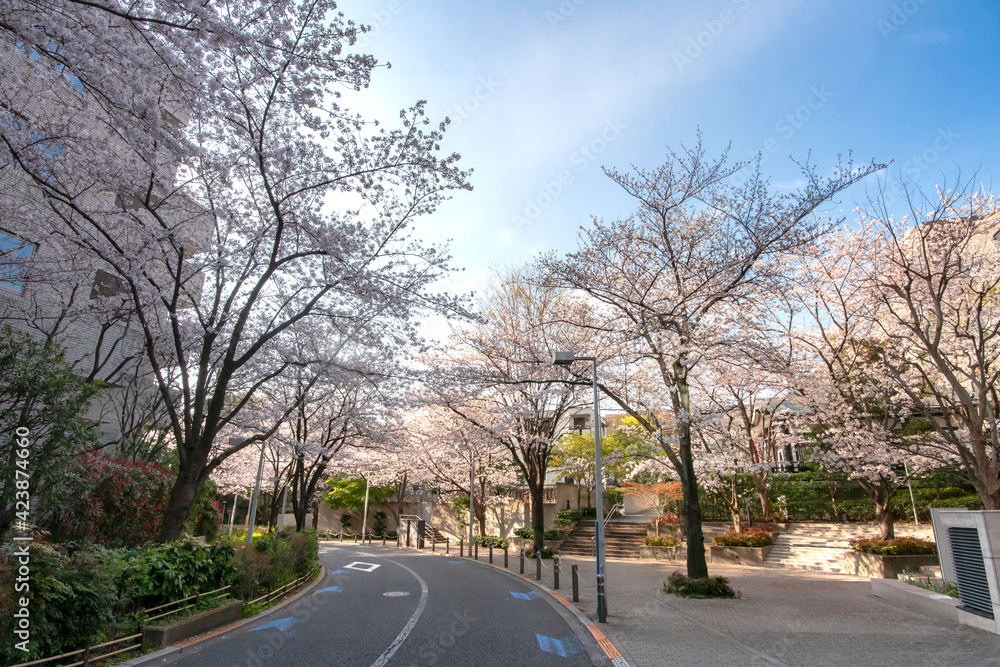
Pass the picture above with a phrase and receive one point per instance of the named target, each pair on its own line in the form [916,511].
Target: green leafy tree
[42,405]
[574,457]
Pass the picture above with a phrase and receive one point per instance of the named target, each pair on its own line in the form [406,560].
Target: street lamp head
[563,358]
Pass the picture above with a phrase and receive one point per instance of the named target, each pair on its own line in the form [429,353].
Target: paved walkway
[784,618]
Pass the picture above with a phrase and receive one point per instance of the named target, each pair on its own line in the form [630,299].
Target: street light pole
[364,516]
[252,516]
[598,481]
[565,359]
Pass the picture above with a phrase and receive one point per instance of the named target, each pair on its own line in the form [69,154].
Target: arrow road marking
[335,589]
[281,624]
[564,647]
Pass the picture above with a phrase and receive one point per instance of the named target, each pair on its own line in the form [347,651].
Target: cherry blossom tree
[446,446]
[670,278]
[931,279]
[497,375]
[264,205]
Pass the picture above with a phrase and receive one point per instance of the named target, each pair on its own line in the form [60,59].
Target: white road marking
[363,567]
[405,632]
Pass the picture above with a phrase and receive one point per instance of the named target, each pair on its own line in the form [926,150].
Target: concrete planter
[658,553]
[739,555]
[675,531]
[885,567]
[165,635]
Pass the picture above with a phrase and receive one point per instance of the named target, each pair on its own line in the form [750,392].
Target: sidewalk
[785,617]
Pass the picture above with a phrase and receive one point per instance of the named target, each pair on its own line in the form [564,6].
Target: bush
[553,534]
[176,570]
[487,540]
[73,600]
[660,542]
[901,546]
[274,560]
[566,518]
[546,553]
[525,533]
[670,520]
[378,529]
[751,536]
[91,504]
[699,589]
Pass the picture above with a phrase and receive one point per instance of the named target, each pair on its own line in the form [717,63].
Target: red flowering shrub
[115,502]
[669,520]
[749,536]
[901,546]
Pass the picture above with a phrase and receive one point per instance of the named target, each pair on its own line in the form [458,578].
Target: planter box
[658,553]
[739,555]
[165,635]
[885,567]
[675,531]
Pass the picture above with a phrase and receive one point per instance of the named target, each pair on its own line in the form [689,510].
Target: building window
[579,423]
[106,284]
[14,256]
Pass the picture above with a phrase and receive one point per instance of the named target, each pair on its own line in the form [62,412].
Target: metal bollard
[522,560]
[506,564]
[461,547]
[602,600]
[447,546]
[433,544]
[555,572]
[341,536]
[383,539]
[355,538]
[491,553]
[477,550]
[538,565]
[576,584]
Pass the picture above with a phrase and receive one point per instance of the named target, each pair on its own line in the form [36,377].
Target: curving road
[380,607]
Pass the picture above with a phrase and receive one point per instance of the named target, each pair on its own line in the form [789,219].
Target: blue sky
[544,93]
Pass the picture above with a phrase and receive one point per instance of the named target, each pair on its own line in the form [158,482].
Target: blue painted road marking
[281,624]
[456,561]
[341,572]
[564,647]
[525,596]
[335,589]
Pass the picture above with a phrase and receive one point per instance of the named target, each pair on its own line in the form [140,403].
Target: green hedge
[901,546]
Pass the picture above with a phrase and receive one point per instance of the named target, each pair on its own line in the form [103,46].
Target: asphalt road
[386,607]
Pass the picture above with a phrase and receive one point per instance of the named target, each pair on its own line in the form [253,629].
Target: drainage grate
[970,570]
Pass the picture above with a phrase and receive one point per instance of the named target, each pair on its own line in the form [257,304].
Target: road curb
[180,646]
[600,649]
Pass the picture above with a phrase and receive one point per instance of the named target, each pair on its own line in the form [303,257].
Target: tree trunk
[538,514]
[696,565]
[737,524]
[182,497]
[760,484]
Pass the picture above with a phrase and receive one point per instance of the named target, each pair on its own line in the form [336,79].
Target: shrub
[73,599]
[901,546]
[566,518]
[525,533]
[670,520]
[699,589]
[553,534]
[546,553]
[91,503]
[345,521]
[660,542]
[175,570]
[378,529]
[751,536]
[487,540]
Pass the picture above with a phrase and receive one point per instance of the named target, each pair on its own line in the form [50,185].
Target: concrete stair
[820,547]
[621,539]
